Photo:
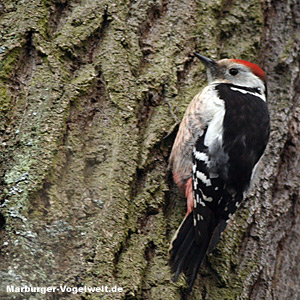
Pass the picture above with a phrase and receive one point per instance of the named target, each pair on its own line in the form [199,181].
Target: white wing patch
[200,156]
[194,168]
[199,201]
[208,199]
[215,129]
[203,178]
[199,217]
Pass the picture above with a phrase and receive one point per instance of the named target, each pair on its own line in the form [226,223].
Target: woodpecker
[220,141]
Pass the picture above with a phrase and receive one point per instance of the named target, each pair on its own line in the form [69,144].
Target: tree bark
[90,96]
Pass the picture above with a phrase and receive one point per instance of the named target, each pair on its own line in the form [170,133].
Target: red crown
[253,67]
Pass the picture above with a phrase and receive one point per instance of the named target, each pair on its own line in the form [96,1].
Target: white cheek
[248,80]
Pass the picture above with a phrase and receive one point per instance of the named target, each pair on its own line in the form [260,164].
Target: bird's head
[235,71]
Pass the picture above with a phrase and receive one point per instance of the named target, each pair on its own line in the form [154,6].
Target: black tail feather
[195,258]
[182,255]
[181,245]
[188,248]
[216,235]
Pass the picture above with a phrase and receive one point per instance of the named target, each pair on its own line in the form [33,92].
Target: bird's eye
[233,71]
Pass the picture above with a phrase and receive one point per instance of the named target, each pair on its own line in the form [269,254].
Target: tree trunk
[90,95]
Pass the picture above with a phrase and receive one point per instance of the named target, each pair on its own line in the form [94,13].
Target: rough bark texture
[90,93]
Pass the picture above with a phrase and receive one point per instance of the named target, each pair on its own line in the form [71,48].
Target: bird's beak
[212,66]
[205,60]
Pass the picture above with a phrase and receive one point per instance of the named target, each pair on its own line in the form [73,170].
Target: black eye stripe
[233,71]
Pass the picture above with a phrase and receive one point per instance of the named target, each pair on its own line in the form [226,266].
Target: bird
[220,141]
